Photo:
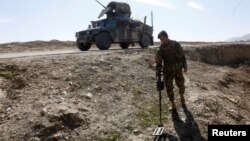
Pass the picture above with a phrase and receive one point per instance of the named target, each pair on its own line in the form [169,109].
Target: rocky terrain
[111,95]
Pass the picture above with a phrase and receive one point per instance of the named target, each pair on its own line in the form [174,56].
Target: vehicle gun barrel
[100,4]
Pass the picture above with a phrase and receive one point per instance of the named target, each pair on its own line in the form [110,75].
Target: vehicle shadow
[187,130]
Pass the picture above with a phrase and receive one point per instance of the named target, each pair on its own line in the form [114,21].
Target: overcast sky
[184,20]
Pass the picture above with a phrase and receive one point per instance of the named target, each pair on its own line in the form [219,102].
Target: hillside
[240,38]
[108,96]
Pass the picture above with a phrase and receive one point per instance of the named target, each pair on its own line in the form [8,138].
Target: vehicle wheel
[103,41]
[145,41]
[83,47]
[124,45]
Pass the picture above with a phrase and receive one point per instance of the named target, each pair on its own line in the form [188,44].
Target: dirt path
[60,52]
[36,53]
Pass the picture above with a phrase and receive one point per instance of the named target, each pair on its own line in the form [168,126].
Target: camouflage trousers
[169,76]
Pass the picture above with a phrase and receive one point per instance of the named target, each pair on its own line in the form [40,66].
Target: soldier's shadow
[187,130]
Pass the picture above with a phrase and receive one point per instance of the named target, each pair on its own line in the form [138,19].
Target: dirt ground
[111,95]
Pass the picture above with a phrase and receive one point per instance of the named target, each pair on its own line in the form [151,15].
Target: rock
[66,110]
[57,136]
[51,88]
[62,109]
[58,101]
[88,95]
[233,100]
[75,101]
[50,96]
[232,111]
[72,111]
[65,93]
[83,108]
[71,83]
[136,132]
[8,109]
[19,118]
[44,112]
[36,139]
[101,60]
[204,88]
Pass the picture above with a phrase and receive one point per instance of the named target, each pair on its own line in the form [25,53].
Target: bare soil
[111,96]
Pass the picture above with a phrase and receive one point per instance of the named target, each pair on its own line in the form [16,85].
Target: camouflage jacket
[171,55]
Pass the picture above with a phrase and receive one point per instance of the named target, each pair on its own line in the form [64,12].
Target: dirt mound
[101,92]
[225,54]
[107,96]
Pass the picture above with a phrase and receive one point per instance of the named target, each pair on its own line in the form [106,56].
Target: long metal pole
[100,4]
[152,18]
[160,105]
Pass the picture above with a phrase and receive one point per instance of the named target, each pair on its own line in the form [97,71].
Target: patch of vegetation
[149,115]
[6,75]
[7,71]
[14,76]
[114,136]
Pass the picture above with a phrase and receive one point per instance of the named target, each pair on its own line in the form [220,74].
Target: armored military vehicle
[117,27]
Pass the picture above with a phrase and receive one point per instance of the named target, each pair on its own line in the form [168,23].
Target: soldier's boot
[171,99]
[183,103]
[174,110]
[173,105]
[182,90]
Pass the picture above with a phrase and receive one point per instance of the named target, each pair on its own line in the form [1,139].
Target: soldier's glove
[158,70]
[160,85]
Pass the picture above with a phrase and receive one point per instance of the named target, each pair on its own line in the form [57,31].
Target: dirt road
[61,51]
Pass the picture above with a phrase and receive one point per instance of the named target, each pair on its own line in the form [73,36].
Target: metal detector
[160,86]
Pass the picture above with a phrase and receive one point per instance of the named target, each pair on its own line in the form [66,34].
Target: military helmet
[162,33]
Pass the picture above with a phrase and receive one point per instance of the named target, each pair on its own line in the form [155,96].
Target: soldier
[174,61]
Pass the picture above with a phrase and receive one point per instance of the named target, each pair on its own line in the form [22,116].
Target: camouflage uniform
[173,58]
